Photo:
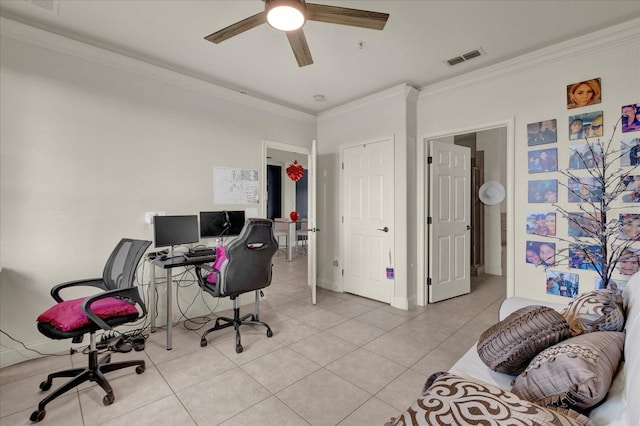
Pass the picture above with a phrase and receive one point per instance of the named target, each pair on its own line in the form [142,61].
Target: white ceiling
[417,40]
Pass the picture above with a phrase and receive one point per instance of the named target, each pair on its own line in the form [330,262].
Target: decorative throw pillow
[456,400]
[598,310]
[576,373]
[508,346]
[221,258]
[68,315]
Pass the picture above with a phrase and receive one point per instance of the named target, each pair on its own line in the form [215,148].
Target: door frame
[311,166]
[422,201]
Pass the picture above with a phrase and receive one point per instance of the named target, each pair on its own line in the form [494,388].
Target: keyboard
[200,256]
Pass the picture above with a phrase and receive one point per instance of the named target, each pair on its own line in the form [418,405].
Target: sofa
[472,393]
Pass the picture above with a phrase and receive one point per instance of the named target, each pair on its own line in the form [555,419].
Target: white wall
[380,116]
[89,141]
[531,89]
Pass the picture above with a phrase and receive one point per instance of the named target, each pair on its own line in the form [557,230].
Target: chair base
[235,322]
[94,373]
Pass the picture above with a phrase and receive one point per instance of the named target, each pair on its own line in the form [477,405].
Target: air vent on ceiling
[467,56]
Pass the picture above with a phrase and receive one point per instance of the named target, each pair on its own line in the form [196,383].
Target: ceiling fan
[290,15]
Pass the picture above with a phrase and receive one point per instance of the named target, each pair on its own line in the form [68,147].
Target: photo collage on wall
[584,127]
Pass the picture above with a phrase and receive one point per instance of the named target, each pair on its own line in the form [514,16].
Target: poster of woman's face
[631,118]
[542,132]
[543,160]
[587,125]
[630,226]
[585,156]
[631,187]
[584,257]
[542,224]
[540,253]
[583,93]
[543,191]
[630,149]
[562,283]
[588,190]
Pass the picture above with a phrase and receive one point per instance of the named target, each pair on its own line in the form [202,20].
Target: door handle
[385,229]
[468,227]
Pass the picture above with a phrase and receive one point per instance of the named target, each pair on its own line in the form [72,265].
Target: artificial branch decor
[602,234]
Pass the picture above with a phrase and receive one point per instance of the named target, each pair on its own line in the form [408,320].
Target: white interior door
[368,220]
[449,212]
[312,261]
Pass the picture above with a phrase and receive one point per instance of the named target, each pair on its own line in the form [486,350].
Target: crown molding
[626,33]
[399,90]
[59,43]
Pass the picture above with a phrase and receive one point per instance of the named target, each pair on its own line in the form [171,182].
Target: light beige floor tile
[39,366]
[366,370]
[270,412]
[291,330]
[372,412]
[322,319]
[26,394]
[183,342]
[195,367]
[348,308]
[63,411]
[356,332]
[323,398]
[381,319]
[165,411]
[403,350]
[436,360]
[254,341]
[131,391]
[279,369]
[323,348]
[216,400]
[405,389]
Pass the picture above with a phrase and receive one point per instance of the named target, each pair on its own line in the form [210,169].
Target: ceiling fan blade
[298,43]
[346,16]
[237,28]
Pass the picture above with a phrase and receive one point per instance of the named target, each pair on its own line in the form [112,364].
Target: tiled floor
[345,361]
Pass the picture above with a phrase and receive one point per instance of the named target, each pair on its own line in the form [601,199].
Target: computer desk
[168,264]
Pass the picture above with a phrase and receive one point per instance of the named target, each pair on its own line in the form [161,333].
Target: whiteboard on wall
[235,186]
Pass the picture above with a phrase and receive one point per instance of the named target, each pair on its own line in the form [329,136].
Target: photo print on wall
[542,132]
[629,262]
[630,149]
[587,125]
[584,93]
[585,156]
[562,283]
[543,160]
[583,224]
[584,257]
[543,191]
[630,118]
[631,185]
[542,223]
[540,253]
[587,189]
[599,285]
[630,226]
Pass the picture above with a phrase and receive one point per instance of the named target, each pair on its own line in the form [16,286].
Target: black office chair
[247,268]
[71,319]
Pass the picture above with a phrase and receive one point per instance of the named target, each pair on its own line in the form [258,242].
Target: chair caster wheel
[269,333]
[37,416]
[45,386]
[140,369]
[239,349]
[108,399]
[203,343]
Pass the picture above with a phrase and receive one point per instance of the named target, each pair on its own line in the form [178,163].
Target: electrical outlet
[148,217]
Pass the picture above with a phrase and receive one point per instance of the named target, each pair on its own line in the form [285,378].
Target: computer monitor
[171,231]
[224,223]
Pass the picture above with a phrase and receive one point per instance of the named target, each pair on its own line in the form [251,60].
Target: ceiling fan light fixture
[285,15]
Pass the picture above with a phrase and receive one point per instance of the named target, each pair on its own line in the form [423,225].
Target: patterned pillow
[455,400]
[508,346]
[598,310]
[576,373]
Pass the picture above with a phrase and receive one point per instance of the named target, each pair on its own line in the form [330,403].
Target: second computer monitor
[221,223]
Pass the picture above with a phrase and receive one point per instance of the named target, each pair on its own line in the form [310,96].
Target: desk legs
[293,241]
[169,308]
[153,294]
[152,302]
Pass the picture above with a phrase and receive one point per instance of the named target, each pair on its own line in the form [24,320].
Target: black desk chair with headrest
[72,319]
[247,268]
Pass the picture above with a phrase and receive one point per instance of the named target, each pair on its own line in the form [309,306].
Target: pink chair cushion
[68,315]
[221,256]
